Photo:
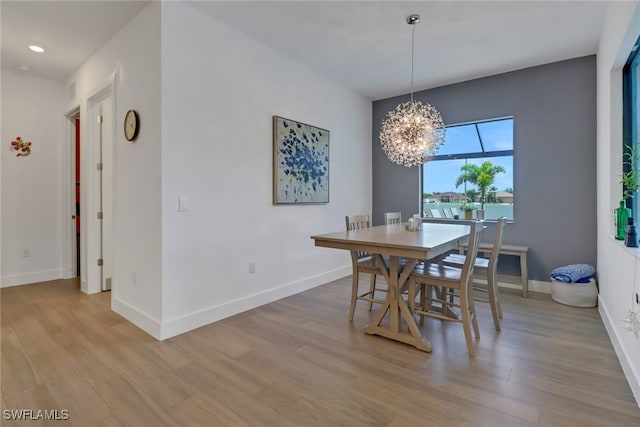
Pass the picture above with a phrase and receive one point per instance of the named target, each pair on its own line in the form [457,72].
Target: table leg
[524,274]
[394,302]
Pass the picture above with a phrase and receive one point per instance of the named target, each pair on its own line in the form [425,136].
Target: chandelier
[412,132]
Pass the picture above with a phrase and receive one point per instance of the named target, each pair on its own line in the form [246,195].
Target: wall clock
[131,125]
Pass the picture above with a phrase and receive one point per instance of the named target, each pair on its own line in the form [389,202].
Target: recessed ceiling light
[35,48]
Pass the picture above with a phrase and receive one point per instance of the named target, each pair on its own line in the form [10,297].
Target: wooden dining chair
[486,269]
[393,218]
[362,262]
[442,277]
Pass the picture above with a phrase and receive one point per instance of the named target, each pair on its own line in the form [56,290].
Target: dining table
[397,251]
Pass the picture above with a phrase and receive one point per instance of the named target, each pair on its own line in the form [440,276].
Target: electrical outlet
[632,323]
[252,267]
[26,253]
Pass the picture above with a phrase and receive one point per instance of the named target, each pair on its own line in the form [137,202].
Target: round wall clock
[131,125]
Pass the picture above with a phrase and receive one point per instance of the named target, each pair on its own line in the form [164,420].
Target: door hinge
[99,119]
[99,166]
[100,262]
[100,215]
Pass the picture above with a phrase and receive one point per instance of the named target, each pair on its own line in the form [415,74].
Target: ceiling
[363,45]
[69,31]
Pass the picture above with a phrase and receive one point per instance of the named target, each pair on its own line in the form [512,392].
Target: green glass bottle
[621,215]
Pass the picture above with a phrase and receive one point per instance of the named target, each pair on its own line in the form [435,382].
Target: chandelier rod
[413,38]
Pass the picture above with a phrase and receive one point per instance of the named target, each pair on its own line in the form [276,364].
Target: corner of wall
[142,320]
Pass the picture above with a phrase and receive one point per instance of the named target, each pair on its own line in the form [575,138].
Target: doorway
[73,230]
[77,195]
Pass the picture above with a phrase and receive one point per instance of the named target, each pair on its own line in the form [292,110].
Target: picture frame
[300,163]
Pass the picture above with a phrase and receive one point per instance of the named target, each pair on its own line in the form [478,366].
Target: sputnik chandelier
[412,132]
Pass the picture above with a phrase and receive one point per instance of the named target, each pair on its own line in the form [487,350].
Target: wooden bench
[516,250]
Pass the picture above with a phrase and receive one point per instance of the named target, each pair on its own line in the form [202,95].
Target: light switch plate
[183,204]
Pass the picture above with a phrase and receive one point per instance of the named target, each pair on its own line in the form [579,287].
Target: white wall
[134,55]
[32,108]
[619,272]
[220,90]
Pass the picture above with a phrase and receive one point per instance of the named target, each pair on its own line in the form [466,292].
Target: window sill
[633,251]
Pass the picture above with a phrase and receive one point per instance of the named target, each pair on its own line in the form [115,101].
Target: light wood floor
[299,362]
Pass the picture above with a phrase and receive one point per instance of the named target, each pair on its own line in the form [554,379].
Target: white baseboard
[630,372]
[29,278]
[137,317]
[188,322]
[534,286]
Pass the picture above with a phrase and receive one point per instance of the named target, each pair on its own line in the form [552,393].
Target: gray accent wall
[554,111]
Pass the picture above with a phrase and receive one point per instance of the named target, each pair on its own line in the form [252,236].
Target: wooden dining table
[395,242]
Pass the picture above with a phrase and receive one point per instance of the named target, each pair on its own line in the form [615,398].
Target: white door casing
[97,173]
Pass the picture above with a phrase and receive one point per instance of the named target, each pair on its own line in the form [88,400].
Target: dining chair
[393,218]
[433,275]
[362,262]
[487,267]
[447,213]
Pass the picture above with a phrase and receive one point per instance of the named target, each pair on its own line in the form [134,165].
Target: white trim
[88,172]
[633,377]
[30,278]
[136,316]
[196,319]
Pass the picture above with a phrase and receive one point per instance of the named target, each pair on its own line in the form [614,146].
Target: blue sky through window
[462,140]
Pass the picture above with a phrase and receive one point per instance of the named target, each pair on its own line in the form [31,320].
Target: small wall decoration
[300,163]
[131,125]
[23,148]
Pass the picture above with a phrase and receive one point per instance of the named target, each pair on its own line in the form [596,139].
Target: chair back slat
[435,213]
[358,222]
[475,234]
[393,218]
[497,243]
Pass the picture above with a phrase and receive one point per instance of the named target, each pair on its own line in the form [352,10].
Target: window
[466,145]
[631,115]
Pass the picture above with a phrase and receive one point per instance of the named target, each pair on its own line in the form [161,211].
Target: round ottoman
[575,294]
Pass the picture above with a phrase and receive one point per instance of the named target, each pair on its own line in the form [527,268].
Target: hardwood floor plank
[204,384]
[195,412]
[299,362]
[130,407]
[110,421]
[37,398]
[18,374]
[74,392]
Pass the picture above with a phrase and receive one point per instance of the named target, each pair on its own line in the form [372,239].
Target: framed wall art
[300,163]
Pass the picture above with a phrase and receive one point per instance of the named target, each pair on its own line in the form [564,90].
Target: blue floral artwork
[301,162]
